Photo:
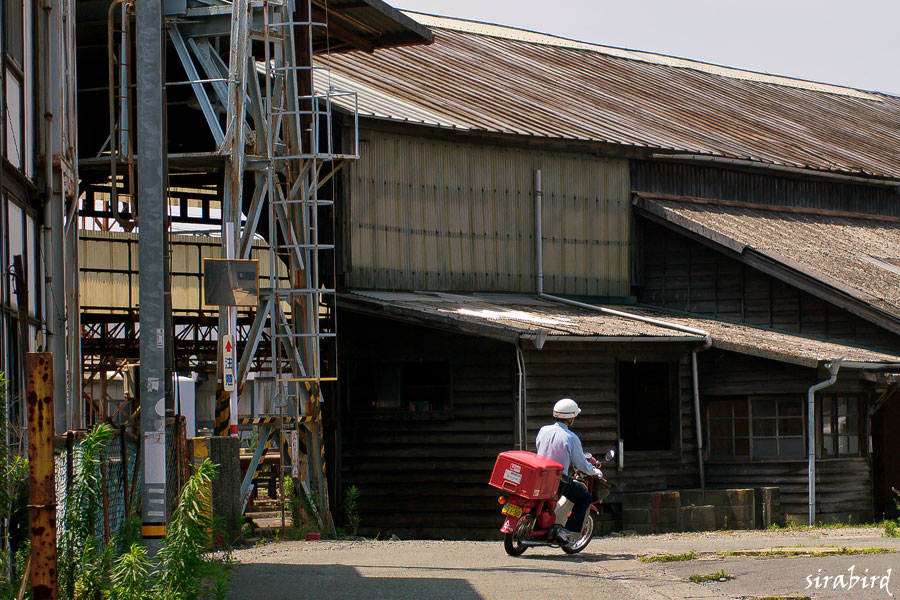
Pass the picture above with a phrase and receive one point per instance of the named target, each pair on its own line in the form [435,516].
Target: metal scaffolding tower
[292,128]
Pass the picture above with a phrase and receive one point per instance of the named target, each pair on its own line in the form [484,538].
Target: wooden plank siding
[761,188]
[682,274]
[587,372]
[421,477]
[844,485]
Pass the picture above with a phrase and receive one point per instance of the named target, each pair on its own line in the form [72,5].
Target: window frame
[402,412]
[861,433]
[748,399]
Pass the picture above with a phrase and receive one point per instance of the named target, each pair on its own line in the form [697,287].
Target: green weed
[669,557]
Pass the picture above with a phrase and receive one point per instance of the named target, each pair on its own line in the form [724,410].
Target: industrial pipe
[833,368]
[522,429]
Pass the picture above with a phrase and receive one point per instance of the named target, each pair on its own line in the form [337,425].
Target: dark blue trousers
[578,494]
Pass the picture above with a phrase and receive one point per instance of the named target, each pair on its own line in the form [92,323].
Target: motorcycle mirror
[610,455]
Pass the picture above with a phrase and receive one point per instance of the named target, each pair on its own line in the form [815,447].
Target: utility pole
[151,151]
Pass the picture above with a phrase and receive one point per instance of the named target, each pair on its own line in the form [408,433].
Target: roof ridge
[535,37]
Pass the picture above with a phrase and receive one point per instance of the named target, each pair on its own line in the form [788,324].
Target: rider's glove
[598,472]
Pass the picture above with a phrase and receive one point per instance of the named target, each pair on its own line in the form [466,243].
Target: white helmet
[566,409]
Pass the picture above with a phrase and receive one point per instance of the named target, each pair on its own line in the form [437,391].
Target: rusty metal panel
[41,474]
[433,215]
[490,78]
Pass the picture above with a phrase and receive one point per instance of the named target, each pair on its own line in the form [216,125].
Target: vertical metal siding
[436,215]
[108,251]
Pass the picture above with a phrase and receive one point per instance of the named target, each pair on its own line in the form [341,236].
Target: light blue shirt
[558,443]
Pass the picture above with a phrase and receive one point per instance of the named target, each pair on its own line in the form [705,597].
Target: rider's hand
[598,472]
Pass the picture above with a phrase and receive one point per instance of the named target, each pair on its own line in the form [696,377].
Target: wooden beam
[341,32]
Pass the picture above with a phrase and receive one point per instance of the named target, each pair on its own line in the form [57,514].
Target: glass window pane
[14,137]
[827,406]
[842,424]
[719,409]
[764,427]
[390,385]
[828,444]
[842,407]
[763,407]
[765,448]
[790,408]
[719,447]
[791,447]
[720,428]
[16,243]
[790,427]
[853,446]
[742,447]
[742,427]
[740,408]
[32,265]
[826,424]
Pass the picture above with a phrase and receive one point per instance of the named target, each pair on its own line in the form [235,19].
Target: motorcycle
[533,519]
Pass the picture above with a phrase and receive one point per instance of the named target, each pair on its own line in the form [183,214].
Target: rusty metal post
[41,474]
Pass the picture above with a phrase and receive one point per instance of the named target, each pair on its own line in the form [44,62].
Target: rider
[558,443]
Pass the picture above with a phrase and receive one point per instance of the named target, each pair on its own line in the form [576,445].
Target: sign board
[227,363]
[230,282]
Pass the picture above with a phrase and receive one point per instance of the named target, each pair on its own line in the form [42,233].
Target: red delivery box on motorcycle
[526,474]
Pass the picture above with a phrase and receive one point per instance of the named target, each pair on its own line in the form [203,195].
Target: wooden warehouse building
[742,223]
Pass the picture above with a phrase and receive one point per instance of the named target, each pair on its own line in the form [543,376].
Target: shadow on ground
[324,582]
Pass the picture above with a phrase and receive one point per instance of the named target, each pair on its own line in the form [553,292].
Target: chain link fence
[121,477]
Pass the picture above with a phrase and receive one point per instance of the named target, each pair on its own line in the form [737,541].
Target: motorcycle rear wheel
[586,532]
[512,542]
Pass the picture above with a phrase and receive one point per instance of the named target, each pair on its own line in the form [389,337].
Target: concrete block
[698,518]
[767,501]
[692,497]
[665,500]
[665,520]
[634,516]
[226,487]
[742,497]
[636,500]
[715,497]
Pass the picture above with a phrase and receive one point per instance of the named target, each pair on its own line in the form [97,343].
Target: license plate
[512,510]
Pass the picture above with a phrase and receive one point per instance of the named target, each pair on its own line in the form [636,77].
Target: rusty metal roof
[499,79]
[855,254]
[512,317]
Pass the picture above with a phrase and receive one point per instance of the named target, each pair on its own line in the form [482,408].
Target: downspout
[522,407]
[833,368]
[707,338]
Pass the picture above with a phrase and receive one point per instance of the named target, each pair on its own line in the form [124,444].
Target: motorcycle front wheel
[512,542]
[586,532]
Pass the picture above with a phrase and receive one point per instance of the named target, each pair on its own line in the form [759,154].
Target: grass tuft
[808,552]
[719,575]
[669,557]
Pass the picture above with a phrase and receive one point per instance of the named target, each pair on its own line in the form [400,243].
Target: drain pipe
[522,429]
[833,368]
[707,338]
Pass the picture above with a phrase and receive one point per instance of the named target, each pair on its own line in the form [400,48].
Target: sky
[845,43]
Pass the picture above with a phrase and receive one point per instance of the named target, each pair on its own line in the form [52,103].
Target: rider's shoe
[564,536]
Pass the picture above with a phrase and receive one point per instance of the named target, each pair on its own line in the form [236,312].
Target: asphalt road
[608,568]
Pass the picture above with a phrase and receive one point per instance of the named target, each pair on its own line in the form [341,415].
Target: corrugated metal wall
[109,269]
[435,215]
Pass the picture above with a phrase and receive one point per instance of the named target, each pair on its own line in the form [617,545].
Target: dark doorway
[885,466]
[646,398]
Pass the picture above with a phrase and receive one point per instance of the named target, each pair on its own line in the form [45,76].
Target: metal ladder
[299,147]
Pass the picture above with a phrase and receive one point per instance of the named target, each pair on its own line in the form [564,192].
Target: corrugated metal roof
[513,316]
[499,79]
[851,253]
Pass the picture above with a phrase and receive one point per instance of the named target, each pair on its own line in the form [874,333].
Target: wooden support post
[41,472]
